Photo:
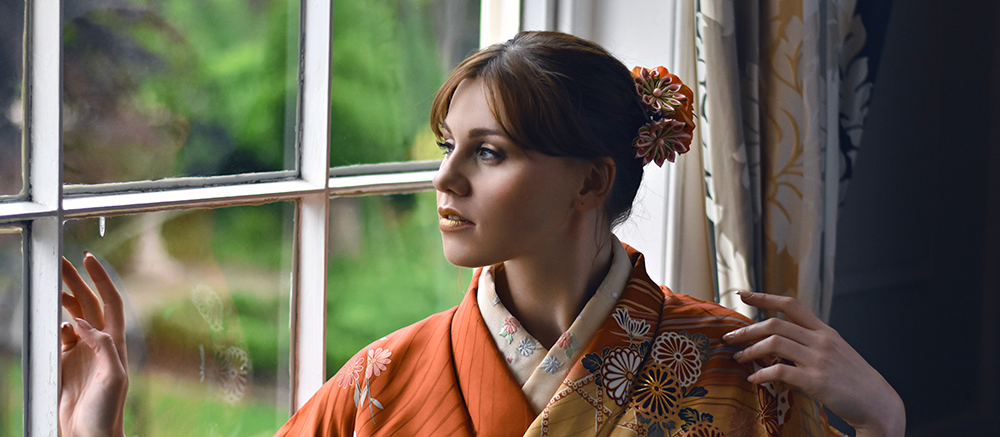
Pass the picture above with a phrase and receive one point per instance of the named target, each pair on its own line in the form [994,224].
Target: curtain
[782,88]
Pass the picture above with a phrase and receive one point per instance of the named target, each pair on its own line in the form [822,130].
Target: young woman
[562,332]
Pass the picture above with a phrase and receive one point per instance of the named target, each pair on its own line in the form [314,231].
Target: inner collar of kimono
[537,370]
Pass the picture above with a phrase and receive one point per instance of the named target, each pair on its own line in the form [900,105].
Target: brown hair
[562,96]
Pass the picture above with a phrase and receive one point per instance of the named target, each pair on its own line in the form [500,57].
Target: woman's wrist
[889,421]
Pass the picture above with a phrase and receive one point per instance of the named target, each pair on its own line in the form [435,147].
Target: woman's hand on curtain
[825,366]
[94,359]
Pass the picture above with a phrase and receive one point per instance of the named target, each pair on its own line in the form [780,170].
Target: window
[243,175]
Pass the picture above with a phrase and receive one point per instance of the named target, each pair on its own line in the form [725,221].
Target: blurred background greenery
[173,88]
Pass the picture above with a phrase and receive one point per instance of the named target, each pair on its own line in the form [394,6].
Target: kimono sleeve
[332,410]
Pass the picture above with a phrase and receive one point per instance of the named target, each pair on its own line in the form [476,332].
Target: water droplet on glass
[101,223]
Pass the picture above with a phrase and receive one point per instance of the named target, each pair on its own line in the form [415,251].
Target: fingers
[84,304]
[114,309]
[796,313]
[769,327]
[72,305]
[68,336]
[780,373]
[101,343]
[85,297]
[776,346]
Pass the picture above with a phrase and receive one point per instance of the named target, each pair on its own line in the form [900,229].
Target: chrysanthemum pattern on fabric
[550,364]
[526,347]
[619,370]
[680,354]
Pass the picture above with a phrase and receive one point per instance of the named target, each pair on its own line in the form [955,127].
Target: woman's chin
[466,257]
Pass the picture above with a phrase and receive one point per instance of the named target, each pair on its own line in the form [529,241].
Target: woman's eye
[490,154]
[446,147]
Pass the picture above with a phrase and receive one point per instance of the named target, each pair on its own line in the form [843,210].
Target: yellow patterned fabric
[658,367]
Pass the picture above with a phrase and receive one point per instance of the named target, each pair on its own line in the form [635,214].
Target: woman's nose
[450,177]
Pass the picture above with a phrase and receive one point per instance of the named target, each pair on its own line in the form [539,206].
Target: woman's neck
[546,291]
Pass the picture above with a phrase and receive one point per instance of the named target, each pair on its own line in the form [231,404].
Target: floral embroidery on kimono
[350,376]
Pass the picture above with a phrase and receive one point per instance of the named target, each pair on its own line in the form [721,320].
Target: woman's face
[497,201]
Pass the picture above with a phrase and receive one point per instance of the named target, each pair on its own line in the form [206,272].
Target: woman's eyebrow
[477,132]
[484,132]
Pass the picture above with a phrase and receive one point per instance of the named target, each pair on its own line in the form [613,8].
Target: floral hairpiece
[668,104]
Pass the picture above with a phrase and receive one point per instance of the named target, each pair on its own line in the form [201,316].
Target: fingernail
[87,253]
[750,378]
[83,323]
[744,293]
[737,355]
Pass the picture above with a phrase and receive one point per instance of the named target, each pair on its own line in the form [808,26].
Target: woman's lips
[451,220]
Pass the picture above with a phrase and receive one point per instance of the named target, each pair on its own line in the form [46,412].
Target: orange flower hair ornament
[668,103]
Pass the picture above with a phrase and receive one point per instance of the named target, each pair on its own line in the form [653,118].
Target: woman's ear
[599,176]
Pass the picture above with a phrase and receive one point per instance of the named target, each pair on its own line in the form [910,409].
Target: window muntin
[388,59]
[207,309]
[11,98]
[11,331]
[386,270]
[173,88]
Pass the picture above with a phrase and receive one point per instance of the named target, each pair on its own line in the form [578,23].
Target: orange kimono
[656,367]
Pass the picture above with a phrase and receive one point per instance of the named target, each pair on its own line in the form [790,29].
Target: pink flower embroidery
[348,376]
[565,340]
[511,324]
[568,342]
[680,354]
[377,359]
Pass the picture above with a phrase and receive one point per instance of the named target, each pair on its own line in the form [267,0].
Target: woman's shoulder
[677,305]
[377,374]
[431,333]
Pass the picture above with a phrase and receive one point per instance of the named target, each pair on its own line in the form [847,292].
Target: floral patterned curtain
[783,88]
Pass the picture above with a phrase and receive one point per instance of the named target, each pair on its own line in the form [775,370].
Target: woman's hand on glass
[94,359]
[825,366]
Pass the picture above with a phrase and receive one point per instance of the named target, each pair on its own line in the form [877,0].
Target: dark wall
[914,288]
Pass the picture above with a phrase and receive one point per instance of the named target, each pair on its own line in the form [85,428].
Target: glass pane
[387,270]
[207,309]
[164,88]
[11,103]
[389,58]
[11,332]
